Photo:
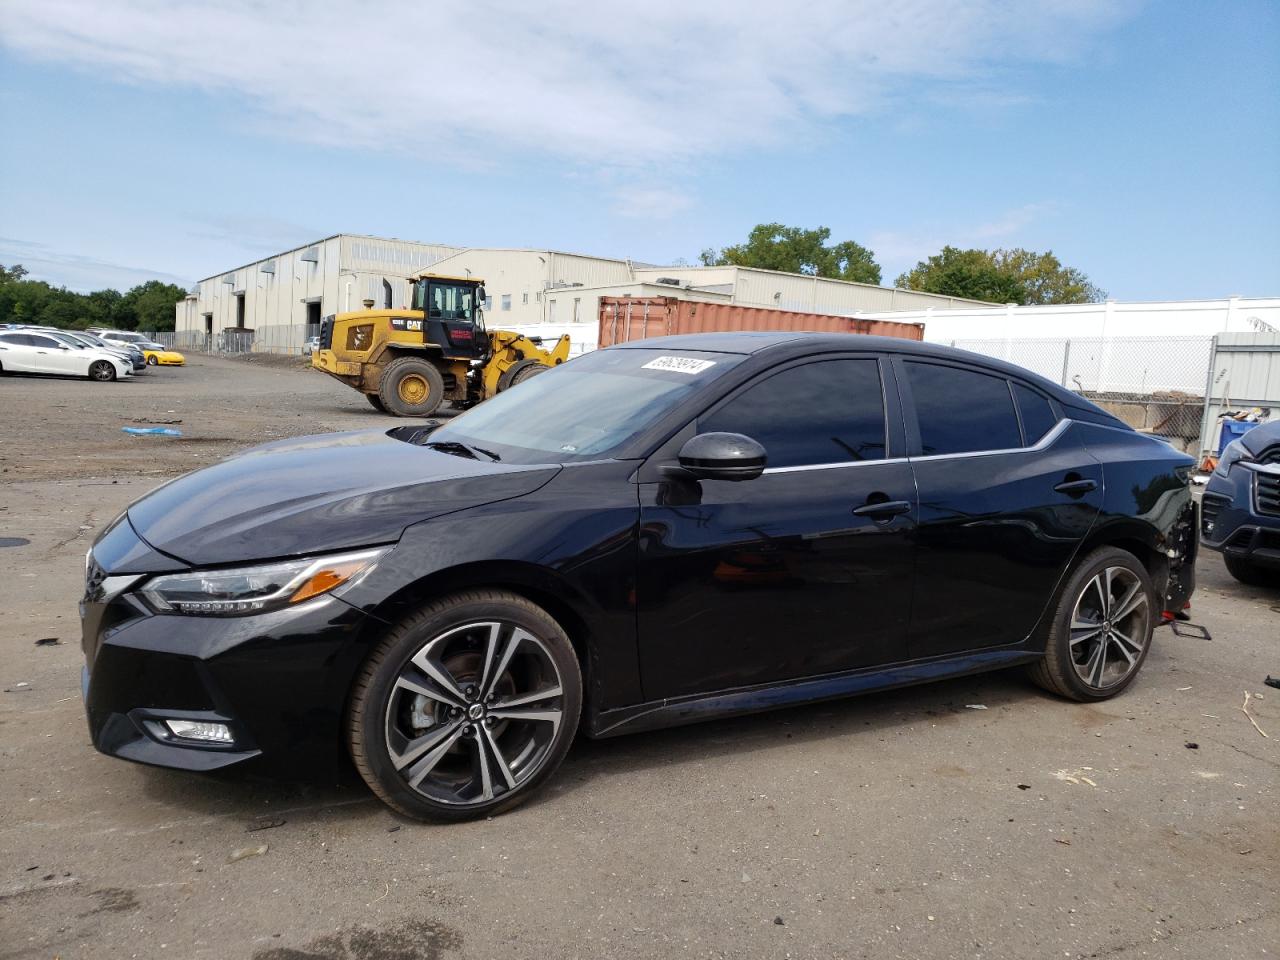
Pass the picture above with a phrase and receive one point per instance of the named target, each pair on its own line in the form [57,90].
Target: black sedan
[1240,514]
[652,534]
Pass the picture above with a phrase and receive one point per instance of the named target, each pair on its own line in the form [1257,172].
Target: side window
[42,342]
[830,411]
[962,411]
[1037,413]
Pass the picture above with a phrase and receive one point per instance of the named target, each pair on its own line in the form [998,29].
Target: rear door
[803,571]
[1007,494]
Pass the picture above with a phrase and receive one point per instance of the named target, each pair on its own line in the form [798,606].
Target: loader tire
[375,401]
[520,372]
[411,387]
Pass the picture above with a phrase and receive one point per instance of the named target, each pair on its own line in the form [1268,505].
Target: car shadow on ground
[867,719]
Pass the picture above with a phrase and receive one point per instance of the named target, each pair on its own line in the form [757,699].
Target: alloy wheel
[102,370]
[474,713]
[1110,627]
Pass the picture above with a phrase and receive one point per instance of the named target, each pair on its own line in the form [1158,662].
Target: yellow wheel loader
[408,362]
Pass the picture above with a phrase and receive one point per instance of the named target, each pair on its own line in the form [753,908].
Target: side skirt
[694,709]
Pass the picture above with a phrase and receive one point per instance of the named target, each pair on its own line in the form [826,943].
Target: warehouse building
[279,301]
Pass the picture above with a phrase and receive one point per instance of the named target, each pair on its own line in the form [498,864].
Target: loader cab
[453,315]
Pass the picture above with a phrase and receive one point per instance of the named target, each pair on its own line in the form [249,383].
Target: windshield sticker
[679,364]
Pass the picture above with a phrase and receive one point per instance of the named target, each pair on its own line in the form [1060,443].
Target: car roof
[786,344]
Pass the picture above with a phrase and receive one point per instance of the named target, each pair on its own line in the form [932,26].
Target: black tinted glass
[826,412]
[1037,413]
[962,411]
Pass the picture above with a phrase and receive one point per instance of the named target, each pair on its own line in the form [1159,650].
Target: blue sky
[1139,141]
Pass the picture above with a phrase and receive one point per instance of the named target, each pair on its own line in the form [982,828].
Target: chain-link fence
[1155,384]
[284,339]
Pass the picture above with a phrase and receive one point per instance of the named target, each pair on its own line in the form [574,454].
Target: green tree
[1001,276]
[774,246]
[149,306]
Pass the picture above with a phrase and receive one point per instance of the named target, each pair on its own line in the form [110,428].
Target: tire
[1250,573]
[375,401]
[411,387]
[396,734]
[102,370]
[520,372]
[1072,666]
[152,361]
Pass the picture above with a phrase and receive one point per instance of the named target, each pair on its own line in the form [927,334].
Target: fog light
[200,730]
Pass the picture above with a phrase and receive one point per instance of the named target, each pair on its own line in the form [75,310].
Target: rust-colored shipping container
[623,319]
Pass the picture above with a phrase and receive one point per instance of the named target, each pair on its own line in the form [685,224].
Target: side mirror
[722,456]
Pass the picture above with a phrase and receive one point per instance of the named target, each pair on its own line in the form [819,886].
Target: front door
[1007,494]
[803,571]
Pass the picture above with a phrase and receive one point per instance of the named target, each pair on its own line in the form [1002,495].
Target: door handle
[1074,487]
[883,510]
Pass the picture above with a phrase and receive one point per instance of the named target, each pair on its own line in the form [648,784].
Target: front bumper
[278,681]
[1232,519]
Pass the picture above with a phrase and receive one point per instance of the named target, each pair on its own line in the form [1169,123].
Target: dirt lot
[901,825]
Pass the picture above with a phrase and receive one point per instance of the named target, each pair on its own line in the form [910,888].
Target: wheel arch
[1140,539]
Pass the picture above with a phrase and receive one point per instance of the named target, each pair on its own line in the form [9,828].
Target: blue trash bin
[1233,430]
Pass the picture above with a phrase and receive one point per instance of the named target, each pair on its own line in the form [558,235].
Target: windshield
[126,337]
[587,408]
[69,340]
[445,301]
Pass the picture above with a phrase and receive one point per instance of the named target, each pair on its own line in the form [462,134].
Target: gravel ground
[899,825]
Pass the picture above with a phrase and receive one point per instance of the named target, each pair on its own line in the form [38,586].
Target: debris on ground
[778,921]
[244,853]
[975,706]
[1245,709]
[1272,681]
[264,823]
[1062,840]
[152,431]
[1024,786]
[1075,776]
[1192,745]
[48,642]
[1183,689]
[150,420]
[23,687]
[393,828]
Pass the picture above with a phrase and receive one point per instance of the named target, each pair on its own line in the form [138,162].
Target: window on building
[577,309]
[525,301]
[506,301]
[551,309]
[1037,413]
[239,309]
[831,411]
[962,411]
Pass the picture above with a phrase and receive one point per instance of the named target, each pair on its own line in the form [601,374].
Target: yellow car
[158,354]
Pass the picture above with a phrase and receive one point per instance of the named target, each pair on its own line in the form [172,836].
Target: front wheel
[152,361]
[102,370]
[375,401]
[1101,628]
[411,387]
[466,708]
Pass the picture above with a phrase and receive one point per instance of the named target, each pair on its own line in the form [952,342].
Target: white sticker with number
[679,364]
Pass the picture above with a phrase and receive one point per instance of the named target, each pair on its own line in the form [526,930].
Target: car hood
[317,494]
[1261,437]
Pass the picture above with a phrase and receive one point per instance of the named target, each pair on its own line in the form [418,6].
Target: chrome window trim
[1047,440]
[833,466]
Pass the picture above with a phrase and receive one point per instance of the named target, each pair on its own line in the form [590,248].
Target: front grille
[1270,455]
[1268,493]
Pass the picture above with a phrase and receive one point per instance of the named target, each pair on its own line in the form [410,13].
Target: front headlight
[1234,453]
[257,589]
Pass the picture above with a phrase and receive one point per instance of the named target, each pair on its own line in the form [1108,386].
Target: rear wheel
[466,708]
[1101,628]
[102,370]
[1250,573]
[411,387]
[375,401]
[520,372]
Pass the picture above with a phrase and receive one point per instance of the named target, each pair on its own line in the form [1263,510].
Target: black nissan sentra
[653,534]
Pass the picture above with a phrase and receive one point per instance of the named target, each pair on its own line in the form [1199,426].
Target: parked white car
[23,351]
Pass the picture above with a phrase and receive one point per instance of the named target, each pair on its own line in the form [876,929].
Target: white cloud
[83,274]
[898,251]
[624,86]
[650,203]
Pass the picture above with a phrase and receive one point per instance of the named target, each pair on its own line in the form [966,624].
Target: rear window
[1037,413]
[962,411]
